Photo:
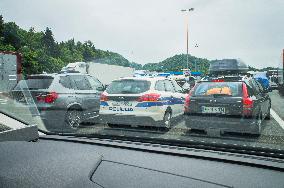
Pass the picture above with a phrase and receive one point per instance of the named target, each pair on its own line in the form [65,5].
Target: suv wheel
[167,121]
[73,118]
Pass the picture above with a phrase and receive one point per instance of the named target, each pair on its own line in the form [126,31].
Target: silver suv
[63,101]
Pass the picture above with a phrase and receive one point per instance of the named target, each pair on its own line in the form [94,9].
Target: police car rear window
[225,89]
[128,87]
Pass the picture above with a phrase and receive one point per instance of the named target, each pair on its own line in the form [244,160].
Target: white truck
[107,73]
[10,70]
[104,72]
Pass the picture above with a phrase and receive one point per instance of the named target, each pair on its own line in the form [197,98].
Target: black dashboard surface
[55,163]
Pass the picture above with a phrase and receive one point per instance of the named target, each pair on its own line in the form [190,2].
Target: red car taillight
[47,98]
[103,97]
[152,97]
[187,103]
[187,100]
[247,102]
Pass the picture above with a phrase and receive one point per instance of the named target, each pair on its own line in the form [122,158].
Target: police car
[143,101]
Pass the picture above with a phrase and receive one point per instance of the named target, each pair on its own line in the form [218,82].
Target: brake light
[187,103]
[187,100]
[103,97]
[247,102]
[47,98]
[152,97]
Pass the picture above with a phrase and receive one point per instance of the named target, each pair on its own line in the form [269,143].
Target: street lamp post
[187,20]
[195,65]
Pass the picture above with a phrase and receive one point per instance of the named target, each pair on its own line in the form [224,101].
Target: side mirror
[101,88]
[185,91]
[267,90]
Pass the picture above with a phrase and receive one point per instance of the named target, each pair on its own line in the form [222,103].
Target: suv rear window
[128,87]
[38,82]
[233,89]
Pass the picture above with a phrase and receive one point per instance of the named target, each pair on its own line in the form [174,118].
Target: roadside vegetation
[42,53]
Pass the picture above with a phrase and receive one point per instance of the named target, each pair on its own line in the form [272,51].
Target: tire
[167,120]
[73,118]
[268,116]
[258,127]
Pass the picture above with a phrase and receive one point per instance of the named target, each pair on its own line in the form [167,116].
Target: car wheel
[73,118]
[268,116]
[258,124]
[167,121]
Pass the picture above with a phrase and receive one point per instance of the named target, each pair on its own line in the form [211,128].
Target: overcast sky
[149,31]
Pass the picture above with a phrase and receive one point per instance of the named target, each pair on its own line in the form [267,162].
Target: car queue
[225,100]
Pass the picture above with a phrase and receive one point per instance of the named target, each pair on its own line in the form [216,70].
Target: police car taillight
[103,97]
[152,97]
[247,102]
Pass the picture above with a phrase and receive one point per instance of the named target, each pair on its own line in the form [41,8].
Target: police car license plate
[121,106]
[213,110]
[122,103]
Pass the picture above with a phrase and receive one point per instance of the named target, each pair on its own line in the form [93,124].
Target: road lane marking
[277,118]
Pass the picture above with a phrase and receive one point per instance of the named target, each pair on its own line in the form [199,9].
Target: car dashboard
[61,161]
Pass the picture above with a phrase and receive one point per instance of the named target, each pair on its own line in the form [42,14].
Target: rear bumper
[223,123]
[129,120]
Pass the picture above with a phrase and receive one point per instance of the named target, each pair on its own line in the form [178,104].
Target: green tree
[49,43]
[11,35]
[42,53]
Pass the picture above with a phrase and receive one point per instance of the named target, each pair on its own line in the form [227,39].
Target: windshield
[128,86]
[233,89]
[208,72]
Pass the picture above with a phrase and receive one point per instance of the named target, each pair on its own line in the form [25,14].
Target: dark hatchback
[220,105]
